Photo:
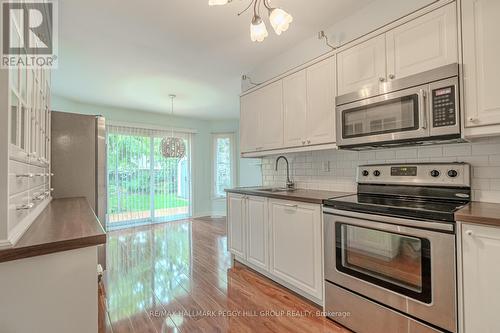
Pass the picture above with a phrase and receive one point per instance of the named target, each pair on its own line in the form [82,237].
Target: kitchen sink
[277,189]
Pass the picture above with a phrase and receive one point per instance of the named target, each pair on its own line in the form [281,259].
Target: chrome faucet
[289,183]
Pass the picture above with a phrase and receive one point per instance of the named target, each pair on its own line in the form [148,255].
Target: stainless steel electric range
[390,253]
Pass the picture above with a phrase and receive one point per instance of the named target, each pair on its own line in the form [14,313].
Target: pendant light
[173,147]
[280,20]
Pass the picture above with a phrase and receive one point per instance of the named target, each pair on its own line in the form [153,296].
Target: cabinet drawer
[19,208]
[39,176]
[38,195]
[17,183]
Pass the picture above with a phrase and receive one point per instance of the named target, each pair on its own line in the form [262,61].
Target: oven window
[397,262]
[395,115]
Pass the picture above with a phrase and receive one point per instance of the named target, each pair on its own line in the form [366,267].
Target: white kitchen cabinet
[321,93]
[428,42]
[295,109]
[249,122]
[257,229]
[270,130]
[361,65]
[481,272]
[236,215]
[296,245]
[261,118]
[481,65]
[425,43]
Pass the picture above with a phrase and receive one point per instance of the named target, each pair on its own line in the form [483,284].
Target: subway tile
[486,172]
[485,148]
[406,153]
[385,154]
[430,152]
[457,150]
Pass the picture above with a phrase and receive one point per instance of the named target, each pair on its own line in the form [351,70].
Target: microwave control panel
[444,107]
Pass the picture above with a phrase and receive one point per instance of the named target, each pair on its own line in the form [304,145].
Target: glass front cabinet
[25,148]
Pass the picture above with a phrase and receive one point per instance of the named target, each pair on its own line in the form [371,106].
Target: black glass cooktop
[407,207]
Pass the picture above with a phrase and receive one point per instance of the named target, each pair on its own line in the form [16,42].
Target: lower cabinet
[480,278]
[296,245]
[279,238]
[236,215]
[258,236]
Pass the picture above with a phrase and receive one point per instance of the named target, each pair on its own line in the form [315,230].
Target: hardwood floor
[177,277]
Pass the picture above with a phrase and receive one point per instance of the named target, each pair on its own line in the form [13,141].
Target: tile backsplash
[335,170]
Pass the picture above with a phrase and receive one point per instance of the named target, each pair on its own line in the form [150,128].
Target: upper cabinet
[294,102]
[361,65]
[296,111]
[481,65]
[321,93]
[425,43]
[261,119]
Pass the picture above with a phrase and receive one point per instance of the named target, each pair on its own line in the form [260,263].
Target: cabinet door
[296,245]
[425,43]
[270,104]
[481,272]
[257,228]
[481,65]
[236,215]
[321,92]
[294,104]
[361,65]
[249,122]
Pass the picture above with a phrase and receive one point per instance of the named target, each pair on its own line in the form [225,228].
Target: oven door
[408,269]
[398,116]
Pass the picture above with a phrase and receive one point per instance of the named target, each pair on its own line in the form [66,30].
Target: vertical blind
[144,186]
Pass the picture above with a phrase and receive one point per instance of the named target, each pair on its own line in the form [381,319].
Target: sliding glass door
[143,185]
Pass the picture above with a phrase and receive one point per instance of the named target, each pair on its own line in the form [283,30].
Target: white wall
[371,17]
[307,168]
[203,204]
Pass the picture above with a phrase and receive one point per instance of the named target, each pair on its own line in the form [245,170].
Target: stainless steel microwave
[422,108]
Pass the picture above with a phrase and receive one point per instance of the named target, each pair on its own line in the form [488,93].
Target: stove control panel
[425,174]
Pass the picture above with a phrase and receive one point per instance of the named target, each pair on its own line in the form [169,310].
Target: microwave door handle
[422,98]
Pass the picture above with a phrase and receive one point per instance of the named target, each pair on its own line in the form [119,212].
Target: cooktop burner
[398,206]
[424,191]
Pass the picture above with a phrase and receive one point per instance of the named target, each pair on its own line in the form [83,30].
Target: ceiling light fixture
[280,20]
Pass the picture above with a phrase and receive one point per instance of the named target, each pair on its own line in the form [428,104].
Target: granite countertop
[302,195]
[480,213]
[65,224]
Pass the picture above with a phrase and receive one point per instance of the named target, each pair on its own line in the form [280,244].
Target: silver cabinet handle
[40,196]
[40,175]
[304,142]
[473,120]
[422,96]
[308,141]
[25,175]
[291,206]
[381,79]
[25,206]
[469,233]
[392,76]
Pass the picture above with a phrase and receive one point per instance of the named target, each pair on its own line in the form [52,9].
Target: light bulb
[280,20]
[217,2]
[258,30]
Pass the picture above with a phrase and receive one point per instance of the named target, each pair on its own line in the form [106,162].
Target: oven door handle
[438,226]
[422,104]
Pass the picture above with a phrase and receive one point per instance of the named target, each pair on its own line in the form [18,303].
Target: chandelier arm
[247,8]
[267,5]
[255,5]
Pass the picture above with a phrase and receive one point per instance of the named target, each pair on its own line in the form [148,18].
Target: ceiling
[133,54]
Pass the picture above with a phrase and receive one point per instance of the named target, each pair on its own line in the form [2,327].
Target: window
[223,171]
[143,186]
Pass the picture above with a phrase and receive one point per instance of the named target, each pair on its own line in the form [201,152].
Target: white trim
[150,127]
[288,150]
[232,140]
[369,35]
